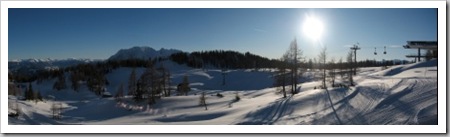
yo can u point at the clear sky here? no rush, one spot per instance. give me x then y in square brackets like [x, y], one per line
[100, 33]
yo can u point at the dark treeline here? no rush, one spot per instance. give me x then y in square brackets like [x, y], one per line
[86, 69]
[224, 59]
[215, 58]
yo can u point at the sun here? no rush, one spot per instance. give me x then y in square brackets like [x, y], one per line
[313, 28]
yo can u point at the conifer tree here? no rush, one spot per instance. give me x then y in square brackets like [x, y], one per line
[60, 83]
[75, 78]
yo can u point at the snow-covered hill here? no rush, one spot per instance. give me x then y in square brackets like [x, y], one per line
[408, 96]
[418, 68]
[142, 53]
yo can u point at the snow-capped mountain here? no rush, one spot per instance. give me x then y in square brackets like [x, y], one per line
[142, 53]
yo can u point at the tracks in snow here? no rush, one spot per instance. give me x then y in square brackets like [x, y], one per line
[268, 115]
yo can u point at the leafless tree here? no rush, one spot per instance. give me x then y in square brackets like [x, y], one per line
[341, 67]
[56, 109]
[184, 86]
[119, 93]
[349, 66]
[132, 83]
[323, 60]
[331, 67]
[203, 100]
[281, 77]
[293, 56]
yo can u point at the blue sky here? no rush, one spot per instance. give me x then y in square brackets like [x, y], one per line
[100, 33]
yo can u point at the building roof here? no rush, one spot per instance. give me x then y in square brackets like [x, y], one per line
[421, 45]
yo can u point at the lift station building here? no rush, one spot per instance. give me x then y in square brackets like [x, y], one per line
[429, 46]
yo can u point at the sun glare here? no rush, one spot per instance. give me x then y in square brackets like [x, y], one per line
[313, 28]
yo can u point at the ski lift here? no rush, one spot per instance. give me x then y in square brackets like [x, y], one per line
[384, 50]
[375, 53]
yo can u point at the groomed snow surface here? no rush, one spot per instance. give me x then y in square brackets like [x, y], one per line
[403, 94]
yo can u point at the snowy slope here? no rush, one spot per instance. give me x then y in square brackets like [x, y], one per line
[417, 69]
[142, 53]
[380, 97]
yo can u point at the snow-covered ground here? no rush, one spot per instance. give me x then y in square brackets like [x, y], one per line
[403, 94]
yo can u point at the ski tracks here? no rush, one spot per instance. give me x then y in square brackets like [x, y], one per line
[268, 115]
[277, 112]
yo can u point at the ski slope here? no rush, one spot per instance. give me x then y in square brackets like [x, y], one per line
[399, 95]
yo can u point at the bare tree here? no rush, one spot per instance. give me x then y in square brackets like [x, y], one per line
[323, 59]
[341, 67]
[165, 82]
[315, 68]
[203, 100]
[349, 66]
[184, 88]
[331, 66]
[56, 109]
[132, 83]
[119, 93]
[168, 83]
[293, 56]
[150, 84]
[281, 77]
[224, 73]
[163, 85]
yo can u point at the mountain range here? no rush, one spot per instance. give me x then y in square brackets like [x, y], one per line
[123, 54]
[142, 53]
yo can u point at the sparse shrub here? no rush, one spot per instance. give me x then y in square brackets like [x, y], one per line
[13, 114]
[16, 111]
[219, 95]
[183, 88]
[237, 98]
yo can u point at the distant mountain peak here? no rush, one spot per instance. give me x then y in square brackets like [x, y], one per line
[142, 52]
[37, 64]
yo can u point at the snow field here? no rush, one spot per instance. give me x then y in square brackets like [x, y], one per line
[403, 94]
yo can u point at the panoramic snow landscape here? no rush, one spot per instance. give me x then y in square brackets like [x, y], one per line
[224, 66]
[400, 94]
